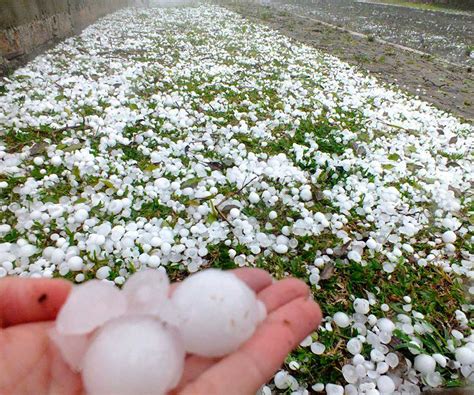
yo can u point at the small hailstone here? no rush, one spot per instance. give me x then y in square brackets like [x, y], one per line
[103, 272]
[371, 244]
[425, 363]
[385, 385]
[333, 389]
[449, 236]
[272, 215]
[234, 213]
[318, 387]
[81, 215]
[392, 360]
[75, 264]
[318, 348]
[440, 360]
[385, 325]
[434, 379]
[464, 355]
[354, 346]
[132, 355]
[293, 365]
[385, 307]
[89, 306]
[281, 249]
[361, 306]
[307, 341]
[281, 380]
[253, 197]
[306, 195]
[354, 256]
[341, 319]
[217, 311]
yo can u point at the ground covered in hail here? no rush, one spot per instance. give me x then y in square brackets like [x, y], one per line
[190, 138]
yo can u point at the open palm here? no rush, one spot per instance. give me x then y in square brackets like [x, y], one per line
[30, 363]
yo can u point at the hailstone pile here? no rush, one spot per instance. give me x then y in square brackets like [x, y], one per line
[134, 340]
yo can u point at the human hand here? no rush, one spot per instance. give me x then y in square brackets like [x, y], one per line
[32, 364]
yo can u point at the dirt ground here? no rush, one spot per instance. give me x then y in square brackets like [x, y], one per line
[448, 87]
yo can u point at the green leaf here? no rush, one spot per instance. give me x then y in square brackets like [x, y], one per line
[394, 157]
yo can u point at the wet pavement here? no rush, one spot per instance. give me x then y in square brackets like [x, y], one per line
[449, 36]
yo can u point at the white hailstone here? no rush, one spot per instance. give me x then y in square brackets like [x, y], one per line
[133, 355]
[56, 160]
[384, 307]
[377, 356]
[71, 347]
[293, 365]
[81, 215]
[75, 264]
[306, 194]
[371, 244]
[354, 346]
[333, 389]
[385, 385]
[307, 341]
[441, 360]
[217, 311]
[434, 379]
[385, 325]
[272, 215]
[392, 360]
[253, 197]
[424, 363]
[58, 256]
[162, 183]
[464, 355]
[318, 387]
[449, 236]
[146, 291]
[281, 249]
[354, 256]
[341, 319]
[318, 348]
[281, 380]
[88, 306]
[3, 272]
[349, 373]
[234, 212]
[154, 261]
[38, 160]
[361, 306]
[103, 272]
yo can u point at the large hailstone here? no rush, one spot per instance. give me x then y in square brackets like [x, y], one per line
[133, 355]
[89, 306]
[217, 312]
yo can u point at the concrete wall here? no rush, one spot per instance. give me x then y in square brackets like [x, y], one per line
[28, 27]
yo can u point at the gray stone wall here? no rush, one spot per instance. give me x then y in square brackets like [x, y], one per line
[28, 27]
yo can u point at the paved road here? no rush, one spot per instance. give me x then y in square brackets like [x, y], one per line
[446, 35]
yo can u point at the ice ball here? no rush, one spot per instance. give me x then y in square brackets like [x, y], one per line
[147, 291]
[72, 348]
[217, 312]
[89, 306]
[133, 355]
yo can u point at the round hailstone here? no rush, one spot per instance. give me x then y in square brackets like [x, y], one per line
[81, 215]
[354, 346]
[306, 195]
[89, 306]
[333, 389]
[253, 197]
[72, 348]
[133, 355]
[385, 385]
[425, 363]
[103, 272]
[385, 325]
[361, 306]
[449, 236]
[318, 348]
[146, 291]
[217, 312]
[464, 355]
[75, 264]
[341, 319]
[281, 249]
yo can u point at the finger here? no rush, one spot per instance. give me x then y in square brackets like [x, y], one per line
[283, 292]
[25, 300]
[257, 279]
[260, 357]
